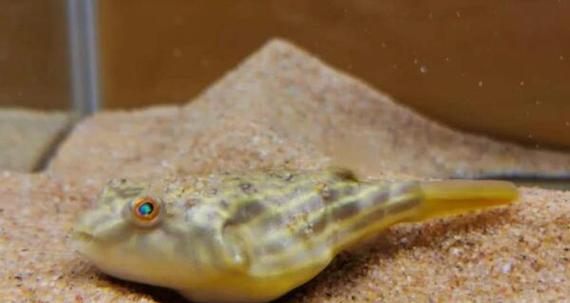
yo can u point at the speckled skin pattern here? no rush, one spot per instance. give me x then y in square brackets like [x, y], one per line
[253, 236]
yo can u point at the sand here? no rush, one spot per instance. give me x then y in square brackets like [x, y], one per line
[283, 107]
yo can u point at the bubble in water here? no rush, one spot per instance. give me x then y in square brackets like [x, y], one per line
[177, 53]
[423, 69]
[507, 267]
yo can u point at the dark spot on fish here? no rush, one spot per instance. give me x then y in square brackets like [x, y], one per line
[345, 174]
[247, 188]
[224, 203]
[246, 212]
[329, 195]
[350, 209]
[202, 233]
[318, 225]
[282, 175]
[288, 177]
[312, 228]
[382, 212]
[273, 247]
[382, 195]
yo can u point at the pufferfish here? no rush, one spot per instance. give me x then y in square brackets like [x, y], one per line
[254, 236]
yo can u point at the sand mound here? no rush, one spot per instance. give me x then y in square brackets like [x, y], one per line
[327, 117]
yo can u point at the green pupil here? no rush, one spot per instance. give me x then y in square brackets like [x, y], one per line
[146, 209]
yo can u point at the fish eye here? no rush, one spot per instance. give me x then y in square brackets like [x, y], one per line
[146, 209]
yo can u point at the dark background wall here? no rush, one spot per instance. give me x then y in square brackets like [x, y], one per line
[33, 54]
[501, 67]
[486, 66]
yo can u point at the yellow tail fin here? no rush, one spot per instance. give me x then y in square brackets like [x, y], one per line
[453, 197]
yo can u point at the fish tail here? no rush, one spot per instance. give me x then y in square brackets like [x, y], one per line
[454, 197]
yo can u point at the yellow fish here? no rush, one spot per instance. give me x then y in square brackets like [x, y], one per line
[254, 236]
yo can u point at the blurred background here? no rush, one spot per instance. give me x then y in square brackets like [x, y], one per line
[495, 68]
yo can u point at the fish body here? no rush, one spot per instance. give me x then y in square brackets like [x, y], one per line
[254, 236]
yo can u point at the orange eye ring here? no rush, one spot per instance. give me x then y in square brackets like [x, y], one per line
[146, 209]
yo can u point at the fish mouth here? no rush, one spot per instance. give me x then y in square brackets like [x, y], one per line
[81, 236]
[82, 241]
